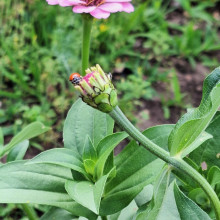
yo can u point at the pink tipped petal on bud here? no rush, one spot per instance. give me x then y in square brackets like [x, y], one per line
[96, 89]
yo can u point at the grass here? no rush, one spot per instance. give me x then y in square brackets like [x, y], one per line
[40, 46]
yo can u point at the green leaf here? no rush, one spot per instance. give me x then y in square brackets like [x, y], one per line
[104, 149]
[127, 213]
[199, 196]
[214, 176]
[82, 193]
[18, 152]
[32, 130]
[194, 122]
[163, 198]
[58, 214]
[199, 141]
[209, 152]
[86, 193]
[62, 157]
[82, 121]
[38, 183]
[136, 168]
[89, 166]
[187, 208]
[89, 150]
[1, 137]
[144, 196]
[171, 204]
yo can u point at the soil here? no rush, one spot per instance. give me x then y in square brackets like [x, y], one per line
[190, 80]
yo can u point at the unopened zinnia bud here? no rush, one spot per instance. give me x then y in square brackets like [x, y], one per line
[96, 89]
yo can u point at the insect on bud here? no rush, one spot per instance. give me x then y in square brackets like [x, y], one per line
[96, 89]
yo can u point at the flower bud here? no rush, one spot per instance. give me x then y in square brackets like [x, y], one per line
[96, 89]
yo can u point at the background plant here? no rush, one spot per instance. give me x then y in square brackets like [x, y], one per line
[33, 42]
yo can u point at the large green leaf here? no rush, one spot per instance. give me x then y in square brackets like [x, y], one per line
[62, 157]
[128, 213]
[58, 214]
[104, 149]
[209, 152]
[163, 204]
[136, 168]
[32, 130]
[38, 183]
[195, 121]
[82, 193]
[171, 204]
[187, 208]
[82, 121]
[18, 152]
[86, 193]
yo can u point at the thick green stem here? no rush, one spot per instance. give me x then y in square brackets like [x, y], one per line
[87, 27]
[31, 214]
[104, 217]
[177, 163]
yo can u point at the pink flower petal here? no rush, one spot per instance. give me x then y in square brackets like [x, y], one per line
[88, 76]
[64, 3]
[52, 2]
[83, 9]
[98, 13]
[117, 1]
[111, 7]
[127, 7]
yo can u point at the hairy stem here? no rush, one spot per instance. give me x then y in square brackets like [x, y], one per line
[30, 212]
[87, 28]
[177, 163]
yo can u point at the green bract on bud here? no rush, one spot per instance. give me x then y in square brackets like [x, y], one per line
[96, 89]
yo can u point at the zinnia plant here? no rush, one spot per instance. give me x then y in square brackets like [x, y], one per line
[156, 176]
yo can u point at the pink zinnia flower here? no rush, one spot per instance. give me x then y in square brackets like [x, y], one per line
[97, 8]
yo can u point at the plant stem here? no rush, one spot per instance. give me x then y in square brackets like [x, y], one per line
[104, 217]
[177, 163]
[31, 214]
[87, 27]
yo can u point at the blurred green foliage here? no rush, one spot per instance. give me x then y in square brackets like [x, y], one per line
[40, 45]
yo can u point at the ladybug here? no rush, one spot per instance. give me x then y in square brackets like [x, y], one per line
[75, 78]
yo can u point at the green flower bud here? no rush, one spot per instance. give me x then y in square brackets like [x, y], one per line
[96, 89]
